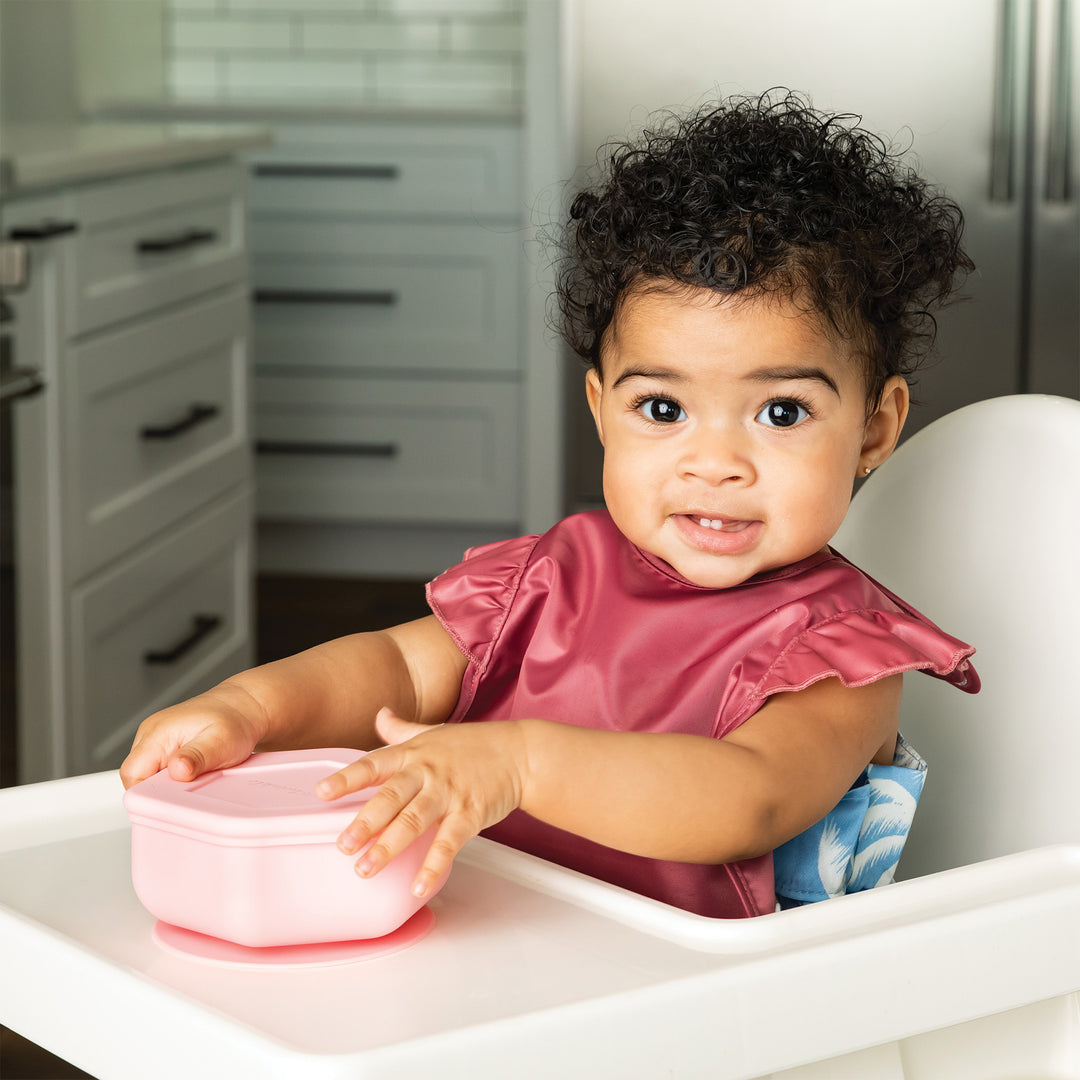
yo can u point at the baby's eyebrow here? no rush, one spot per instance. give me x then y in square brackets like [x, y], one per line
[667, 374]
[787, 373]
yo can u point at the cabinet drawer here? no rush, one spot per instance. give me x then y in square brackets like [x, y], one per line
[390, 170]
[147, 242]
[158, 627]
[387, 450]
[361, 296]
[156, 424]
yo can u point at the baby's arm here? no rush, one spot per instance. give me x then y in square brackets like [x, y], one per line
[326, 696]
[700, 800]
[665, 796]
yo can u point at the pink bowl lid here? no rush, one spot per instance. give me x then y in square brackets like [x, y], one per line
[267, 798]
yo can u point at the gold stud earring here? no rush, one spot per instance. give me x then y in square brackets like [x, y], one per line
[868, 470]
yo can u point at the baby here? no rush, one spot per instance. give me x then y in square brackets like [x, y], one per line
[664, 693]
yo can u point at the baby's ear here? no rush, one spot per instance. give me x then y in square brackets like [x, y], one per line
[884, 427]
[594, 392]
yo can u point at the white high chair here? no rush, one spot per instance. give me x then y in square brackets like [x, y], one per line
[976, 522]
[968, 970]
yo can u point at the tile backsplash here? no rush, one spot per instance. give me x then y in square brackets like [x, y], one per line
[369, 52]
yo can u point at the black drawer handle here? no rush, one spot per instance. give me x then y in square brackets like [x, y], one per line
[380, 450]
[43, 230]
[197, 414]
[373, 297]
[155, 245]
[329, 172]
[18, 383]
[203, 625]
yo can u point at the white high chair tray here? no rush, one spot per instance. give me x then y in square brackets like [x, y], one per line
[535, 971]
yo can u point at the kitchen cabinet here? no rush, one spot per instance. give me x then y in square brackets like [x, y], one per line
[390, 393]
[134, 502]
[409, 392]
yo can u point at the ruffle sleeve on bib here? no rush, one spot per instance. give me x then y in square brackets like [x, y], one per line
[859, 647]
[473, 598]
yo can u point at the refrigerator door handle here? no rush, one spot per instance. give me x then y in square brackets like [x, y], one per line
[1003, 139]
[1059, 121]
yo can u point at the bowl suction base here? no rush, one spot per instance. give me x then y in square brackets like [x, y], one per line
[212, 950]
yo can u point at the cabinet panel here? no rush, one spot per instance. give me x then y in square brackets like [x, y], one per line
[368, 296]
[156, 424]
[147, 631]
[387, 170]
[387, 273]
[146, 243]
[387, 450]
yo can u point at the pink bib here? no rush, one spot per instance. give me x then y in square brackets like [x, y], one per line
[581, 627]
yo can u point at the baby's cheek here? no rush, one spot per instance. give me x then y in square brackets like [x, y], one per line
[823, 517]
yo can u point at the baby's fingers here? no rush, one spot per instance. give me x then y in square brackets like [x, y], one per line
[379, 812]
[396, 824]
[144, 760]
[367, 771]
[453, 835]
[210, 749]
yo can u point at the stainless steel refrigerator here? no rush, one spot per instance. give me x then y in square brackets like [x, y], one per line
[994, 111]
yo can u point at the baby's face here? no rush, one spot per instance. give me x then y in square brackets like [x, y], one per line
[739, 414]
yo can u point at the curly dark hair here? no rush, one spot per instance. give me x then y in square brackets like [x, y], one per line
[760, 195]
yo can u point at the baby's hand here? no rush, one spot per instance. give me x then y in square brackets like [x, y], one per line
[212, 731]
[460, 778]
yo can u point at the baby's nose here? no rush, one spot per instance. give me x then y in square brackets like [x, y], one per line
[718, 457]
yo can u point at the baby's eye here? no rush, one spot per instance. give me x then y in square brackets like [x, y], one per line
[661, 410]
[782, 413]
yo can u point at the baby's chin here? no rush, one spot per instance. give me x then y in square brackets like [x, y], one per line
[712, 572]
[728, 571]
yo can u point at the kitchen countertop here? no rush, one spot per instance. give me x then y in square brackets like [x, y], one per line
[35, 156]
[281, 112]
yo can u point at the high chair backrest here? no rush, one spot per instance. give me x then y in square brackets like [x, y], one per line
[976, 522]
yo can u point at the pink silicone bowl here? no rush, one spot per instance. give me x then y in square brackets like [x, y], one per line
[249, 854]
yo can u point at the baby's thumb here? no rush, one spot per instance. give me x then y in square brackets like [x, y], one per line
[392, 729]
[204, 754]
[141, 763]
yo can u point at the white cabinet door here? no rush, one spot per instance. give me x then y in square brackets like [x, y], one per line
[156, 425]
[388, 450]
[168, 622]
[151, 241]
[352, 296]
[389, 170]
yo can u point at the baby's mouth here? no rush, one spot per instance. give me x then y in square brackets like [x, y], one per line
[718, 535]
[720, 524]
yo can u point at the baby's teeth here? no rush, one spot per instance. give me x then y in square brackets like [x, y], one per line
[709, 523]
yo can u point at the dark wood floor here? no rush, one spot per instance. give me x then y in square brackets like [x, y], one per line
[22, 1060]
[292, 614]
